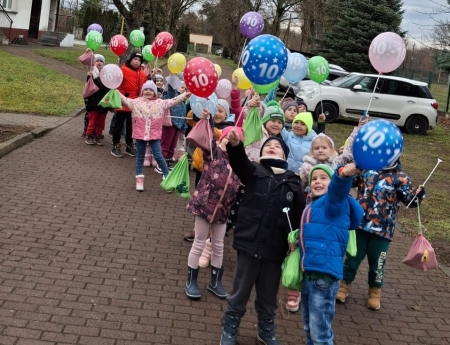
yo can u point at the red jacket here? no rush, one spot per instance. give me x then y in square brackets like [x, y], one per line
[132, 83]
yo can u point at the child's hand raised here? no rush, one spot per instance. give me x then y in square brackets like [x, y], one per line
[349, 170]
[363, 120]
[204, 114]
[233, 138]
[235, 82]
[322, 117]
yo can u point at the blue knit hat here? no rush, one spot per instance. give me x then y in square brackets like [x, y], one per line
[282, 143]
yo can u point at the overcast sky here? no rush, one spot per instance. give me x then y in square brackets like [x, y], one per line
[416, 22]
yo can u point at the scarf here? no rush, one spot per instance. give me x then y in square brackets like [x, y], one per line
[278, 165]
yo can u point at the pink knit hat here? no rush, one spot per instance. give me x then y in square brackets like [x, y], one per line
[227, 130]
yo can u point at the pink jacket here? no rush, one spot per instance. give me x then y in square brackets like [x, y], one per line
[147, 115]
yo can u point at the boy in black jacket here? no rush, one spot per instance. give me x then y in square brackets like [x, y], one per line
[260, 235]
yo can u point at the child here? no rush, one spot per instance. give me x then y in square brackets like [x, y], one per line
[290, 109]
[170, 134]
[97, 114]
[210, 204]
[272, 124]
[299, 139]
[260, 235]
[380, 194]
[319, 127]
[323, 241]
[147, 114]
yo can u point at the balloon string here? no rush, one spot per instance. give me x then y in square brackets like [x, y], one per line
[240, 56]
[373, 92]
[240, 114]
[156, 63]
[285, 93]
[320, 96]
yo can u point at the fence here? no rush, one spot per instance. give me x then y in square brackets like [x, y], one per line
[438, 82]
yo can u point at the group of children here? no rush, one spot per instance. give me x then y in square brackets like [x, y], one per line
[293, 175]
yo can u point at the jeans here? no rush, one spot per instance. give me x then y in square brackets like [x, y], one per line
[318, 308]
[376, 248]
[155, 145]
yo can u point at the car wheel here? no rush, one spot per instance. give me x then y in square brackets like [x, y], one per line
[416, 124]
[329, 109]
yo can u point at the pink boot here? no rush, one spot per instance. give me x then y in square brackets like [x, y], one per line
[147, 157]
[293, 302]
[154, 164]
[140, 183]
[206, 255]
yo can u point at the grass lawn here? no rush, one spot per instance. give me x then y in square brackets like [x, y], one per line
[440, 93]
[419, 158]
[70, 55]
[28, 87]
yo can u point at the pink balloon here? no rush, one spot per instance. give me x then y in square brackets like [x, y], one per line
[387, 52]
[111, 76]
[223, 89]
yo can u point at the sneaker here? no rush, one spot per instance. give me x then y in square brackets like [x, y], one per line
[158, 170]
[170, 164]
[110, 134]
[89, 141]
[293, 302]
[130, 150]
[116, 151]
[98, 141]
[189, 236]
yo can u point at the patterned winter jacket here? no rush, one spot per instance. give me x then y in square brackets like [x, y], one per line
[147, 115]
[217, 188]
[178, 112]
[380, 194]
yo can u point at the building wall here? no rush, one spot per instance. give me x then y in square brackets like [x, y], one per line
[201, 39]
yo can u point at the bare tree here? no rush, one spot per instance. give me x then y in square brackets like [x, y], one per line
[279, 11]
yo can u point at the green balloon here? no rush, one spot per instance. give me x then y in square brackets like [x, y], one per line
[94, 40]
[266, 88]
[137, 38]
[318, 69]
[147, 53]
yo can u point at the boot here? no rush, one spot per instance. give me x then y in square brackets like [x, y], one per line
[230, 328]
[147, 161]
[215, 284]
[154, 164]
[140, 183]
[293, 302]
[189, 236]
[206, 255]
[374, 300]
[191, 288]
[266, 332]
[343, 292]
[116, 151]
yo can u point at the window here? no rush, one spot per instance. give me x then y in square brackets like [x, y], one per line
[7, 4]
[398, 87]
[368, 83]
[422, 92]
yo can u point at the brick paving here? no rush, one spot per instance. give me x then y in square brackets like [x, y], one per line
[85, 259]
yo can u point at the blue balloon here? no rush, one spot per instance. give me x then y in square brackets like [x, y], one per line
[264, 59]
[200, 103]
[377, 145]
[297, 68]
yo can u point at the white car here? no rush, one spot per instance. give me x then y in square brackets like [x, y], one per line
[405, 102]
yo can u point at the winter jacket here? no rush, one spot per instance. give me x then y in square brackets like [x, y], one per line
[178, 112]
[131, 86]
[216, 190]
[147, 115]
[298, 147]
[262, 227]
[324, 228]
[235, 107]
[93, 100]
[380, 194]
[197, 156]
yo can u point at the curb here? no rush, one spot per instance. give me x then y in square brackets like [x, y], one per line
[23, 139]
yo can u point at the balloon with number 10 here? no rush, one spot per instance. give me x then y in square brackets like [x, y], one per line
[200, 77]
[377, 145]
[318, 69]
[264, 59]
[200, 103]
[387, 52]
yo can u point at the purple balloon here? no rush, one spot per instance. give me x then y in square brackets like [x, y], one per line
[95, 27]
[251, 24]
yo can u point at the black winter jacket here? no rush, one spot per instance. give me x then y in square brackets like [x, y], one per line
[93, 100]
[262, 227]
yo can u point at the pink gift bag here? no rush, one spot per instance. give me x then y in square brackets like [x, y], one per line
[167, 120]
[89, 88]
[87, 58]
[201, 135]
[421, 255]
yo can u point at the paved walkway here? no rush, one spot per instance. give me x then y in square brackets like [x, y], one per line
[85, 259]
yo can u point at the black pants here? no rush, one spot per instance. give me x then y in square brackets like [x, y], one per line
[121, 118]
[265, 276]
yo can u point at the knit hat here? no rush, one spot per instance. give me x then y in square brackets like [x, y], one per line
[159, 76]
[289, 102]
[323, 167]
[149, 84]
[273, 112]
[99, 57]
[322, 136]
[282, 143]
[225, 105]
[136, 54]
[301, 102]
[306, 118]
[228, 129]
